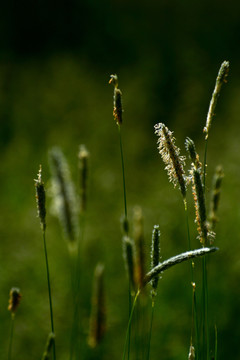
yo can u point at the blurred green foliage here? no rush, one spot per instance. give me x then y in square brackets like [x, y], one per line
[55, 62]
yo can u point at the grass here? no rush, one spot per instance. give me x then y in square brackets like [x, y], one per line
[156, 271]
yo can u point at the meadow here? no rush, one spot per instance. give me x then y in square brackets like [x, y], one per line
[53, 111]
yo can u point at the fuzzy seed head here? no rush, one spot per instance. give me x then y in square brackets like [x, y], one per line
[64, 196]
[171, 157]
[14, 300]
[190, 147]
[117, 106]
[40, 199]
[117, 100]
[205, 234]
[98, 313]
[155, 256]
[129, 259]
[221, 79]
[139, 241]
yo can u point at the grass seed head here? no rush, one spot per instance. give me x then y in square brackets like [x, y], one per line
[204, 232]
[190, 147]
[129, 258]
[14, 300]
[117, 100]
[221, 79]
[171, 157]
[98, 313]
[64, 196]
[155, 256]
[40, 198]
[139, 241]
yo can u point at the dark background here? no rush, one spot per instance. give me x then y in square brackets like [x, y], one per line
[55, 63]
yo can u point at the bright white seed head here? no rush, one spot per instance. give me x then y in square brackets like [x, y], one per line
[171, 157]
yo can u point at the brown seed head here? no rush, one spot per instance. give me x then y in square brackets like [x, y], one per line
[139, 241]
[40, 198]
[14, 300]
[98, 314]
[204, 232]
[117, 100]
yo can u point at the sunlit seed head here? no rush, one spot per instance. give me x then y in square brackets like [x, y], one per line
[171, 157]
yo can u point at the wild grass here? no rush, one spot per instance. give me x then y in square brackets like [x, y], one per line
[71, 206]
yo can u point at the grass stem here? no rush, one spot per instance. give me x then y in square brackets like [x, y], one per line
[129, 324]
[216, 342]
[123, 173]
[11, 337]
[150, 331]
[205, 322]
[49, 291]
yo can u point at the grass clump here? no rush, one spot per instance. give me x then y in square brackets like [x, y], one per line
[71, 211]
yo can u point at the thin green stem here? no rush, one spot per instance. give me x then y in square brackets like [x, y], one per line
[129, 324]
[203, 309]
[123, 173]
[76, 280]
[216, 342]
[194, 302]
[205, 320]
[49, 291]
[206, 307]
[11, 337]
[150, 331]
[196, 326]
[129, 309]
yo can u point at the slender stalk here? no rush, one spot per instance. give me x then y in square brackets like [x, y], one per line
[205, 164]
[196, 326]
[216, 342]
[205, 321]
[206, 338]
[123, 173]
[129, 309]
[194, 302]
[49, 291]
[221, 79]
[129, 325]
[76, 281]
[11, 337]
[150, 331]
[125, 222]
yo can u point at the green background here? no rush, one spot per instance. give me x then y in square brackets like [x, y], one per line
[55, 63]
